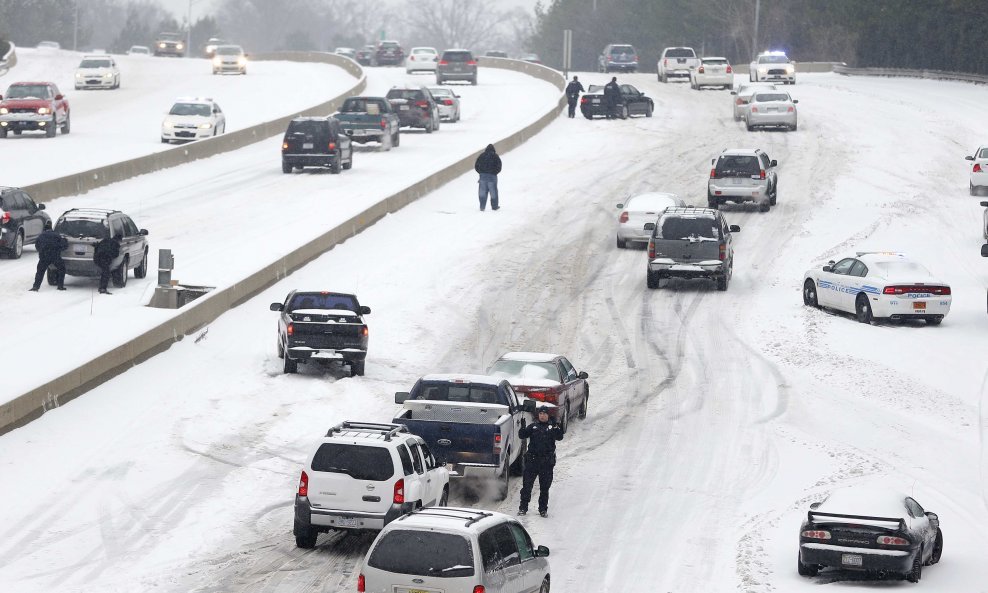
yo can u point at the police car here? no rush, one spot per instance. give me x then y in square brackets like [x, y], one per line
[878, 285]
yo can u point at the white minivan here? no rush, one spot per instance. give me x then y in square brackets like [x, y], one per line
[363, 476]
[455, 549]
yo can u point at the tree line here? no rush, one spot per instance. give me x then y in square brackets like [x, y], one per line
[917, 34]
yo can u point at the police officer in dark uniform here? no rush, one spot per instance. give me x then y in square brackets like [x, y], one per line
[50, 246]
[539, 459]
[612, 97]
[107, 250]
[573, 90]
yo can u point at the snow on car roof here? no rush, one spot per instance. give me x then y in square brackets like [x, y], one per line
[464, 378]
[870, 501]
[453, 519]
[529, 356]
[652, 201]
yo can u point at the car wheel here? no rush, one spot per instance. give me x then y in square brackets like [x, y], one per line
[806, 570]
[736, 116]
[621, 243]
[387, 143]
[773, 197]
[291, 366]
[564, 420]
[164, 140]
[285, 167]
[970, 186]
[588, 116]
[3, 134]
[518, 467]
[862, 309]
[141, 271]
[504, 482]
[337, 165]
[648, 110]
[52, 128]
[357, 368]
[582, 414]
[809, 294]
[281, 350]
[624, 112]
[473, 81]
[764, 207]
[347, 165]
[397, 140]
[17, 250]
[652, 279]
[444, 499]
[306, 538]
[722, 282]
[934, 320]
[67, 126]
[914, 575]
[712, 202]
[937, 548]
[545, 586]
[793, 127]
[119, 275]
[428, 127]
[439, 80]
[749, 126]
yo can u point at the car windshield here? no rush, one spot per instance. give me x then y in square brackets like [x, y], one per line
[524, 370]
[678, 227]
[83, 228]
[190, 109]
[363, 105]
[622, 49]
[595, 88]
[773, 60]
[95, 64]
[389, 44]
[424, 50]
[318, 300]
[423, 553]
[735, 163]
[457, 56]
[169, 37]
[28, 91]
[455, 392]
[410, 94]
[229, 50]
[770, 97]
[680, 52]
[357, 461]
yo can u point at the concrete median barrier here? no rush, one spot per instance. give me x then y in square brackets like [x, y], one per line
[33, 404]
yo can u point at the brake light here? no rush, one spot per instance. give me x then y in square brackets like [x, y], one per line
[539, 395]
[722, 254]
[977, 168]
[303, 485]
[699, 70]
[816, 534]
[713, 173]
[890, 540]
[399, 497]
[729, 70]
[479, 589]
[624, 217]
[361, 584]
[443, 63]
[791, 109]
[291, 329]
[422, 104]
[384, 123]
[584, 100]
[665, 62]
[447, 101]
[937, 290]
[5, 218]
[651, 249]
[761, 174]
[365, 332]
[739, 101]
[284, 146]
[497, 444]
[472, 63]
[754, 109]
[332, 146]
[552, 397]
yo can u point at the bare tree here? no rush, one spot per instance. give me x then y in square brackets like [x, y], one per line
[454, 23]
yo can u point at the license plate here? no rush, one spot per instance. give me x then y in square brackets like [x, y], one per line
[596, 101]
[80, 253]
[359, 132]
[307, 145]
[347, 521]
[417, 591]
[736, 181]
[919, 305]
[850, 559]
[403, 107]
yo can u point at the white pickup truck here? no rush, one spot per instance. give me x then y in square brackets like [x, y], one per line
[676, 62]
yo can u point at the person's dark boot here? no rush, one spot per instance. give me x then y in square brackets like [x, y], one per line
[61, 288]
[34, 289]
[544, 513]
[104, 291]
[522, 511]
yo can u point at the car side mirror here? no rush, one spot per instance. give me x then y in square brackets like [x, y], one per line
[41, 206]
[734, 92]
[794, 101]
[932, 517]
[364, 310]
[541, 552]
[59, 97]
[144, 232]
[529, 406]
[734, 228]
[775, 163]
[620, 206]
[967, 158]
[276, 306]
[984, 251]
[649, 226]
[401, 397]
[583, 375]
[828, 268]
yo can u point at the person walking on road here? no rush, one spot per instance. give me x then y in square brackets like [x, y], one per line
[488, 165]
[104, 253]
[612, 97]
[573, 90]
[50, 246]
[540, 459]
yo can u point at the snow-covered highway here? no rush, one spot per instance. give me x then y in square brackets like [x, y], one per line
[715, 418]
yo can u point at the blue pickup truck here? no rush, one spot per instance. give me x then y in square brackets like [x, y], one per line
[471, 424]
[370, 119]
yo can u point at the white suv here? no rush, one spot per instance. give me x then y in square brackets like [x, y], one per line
[454, 549]
[363, 476]
[97, 72]
[191, 119]
[743, 175]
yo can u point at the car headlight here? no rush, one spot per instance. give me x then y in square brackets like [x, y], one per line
[80, 75]
[167, 125]
[4, 111]
[179, 46]
[205, 126]
[161, 45]
[217, 61]
[789, 68]
[242, 61]
[43, 110]
[108, 75]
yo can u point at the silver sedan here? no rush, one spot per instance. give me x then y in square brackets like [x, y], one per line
[448, 102]
[775, 109]
[639, 210]
[742, 96]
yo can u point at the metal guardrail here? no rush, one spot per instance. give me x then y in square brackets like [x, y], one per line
[8, 60]
[906, 73]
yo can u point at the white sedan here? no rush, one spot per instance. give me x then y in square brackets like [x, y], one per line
[97, 72]
[742, 97]
[639, 210]
[878, 285]
[191, 119]
[448, 102]
[979, 170]
[421, 59]
[773, 109]
[712, 72]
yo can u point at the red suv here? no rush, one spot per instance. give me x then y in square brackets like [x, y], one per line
[37, 106]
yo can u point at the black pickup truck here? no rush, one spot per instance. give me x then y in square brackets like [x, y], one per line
[322, 327]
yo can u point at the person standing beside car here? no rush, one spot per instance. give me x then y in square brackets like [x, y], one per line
[540, 459]
[50, 246]
[107, 250]
[573, 90]
[612, 97]
[489, 166]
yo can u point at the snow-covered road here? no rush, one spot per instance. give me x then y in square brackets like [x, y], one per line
[715, 418]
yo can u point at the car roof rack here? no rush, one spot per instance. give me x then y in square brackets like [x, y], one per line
[687, 210]
[385, 430]
[102, 212]
[452, 513]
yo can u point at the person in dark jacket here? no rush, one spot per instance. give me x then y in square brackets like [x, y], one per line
[539, 459]
[612, 97]
[573, 90]
[105, 252]
[488, 165]
[50, 246]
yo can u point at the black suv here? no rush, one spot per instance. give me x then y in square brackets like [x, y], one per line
[316, 142]
[21, 221]
[389, 53]
[457, 64]
[322, 327]
[690, 243]
[416, 107]
[85, 227]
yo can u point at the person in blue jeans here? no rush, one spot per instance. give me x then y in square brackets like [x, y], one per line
[488, 165]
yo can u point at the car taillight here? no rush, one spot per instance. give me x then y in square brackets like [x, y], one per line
[539, 395]
[364, 331]
[584, 100]
[399, 497]
[291, 329]
[332, 146]
[754, 109]
[891, 540]
[722, 254]
[937, 290]
[977, 168]
[497, 444]
[361, 584]
[761, 174]
[303, 485]
[791, 109]
[5, 218]
[552, 397]
[447, 101]
[699, 70]
[284, 146]
[443, 63]
[713, 173]
[472, 63]
[384, 123]
[479, 589]
[651, 249]
[738, 101]
[816, 534]
[729, 70]
[665, 62]
[422, 104]
[624, 217]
